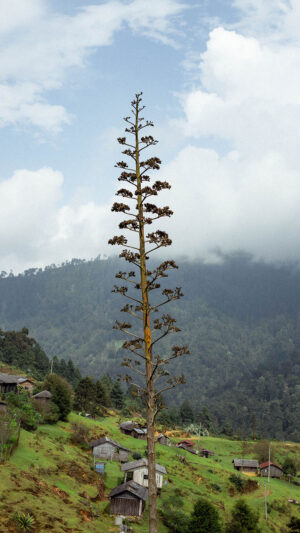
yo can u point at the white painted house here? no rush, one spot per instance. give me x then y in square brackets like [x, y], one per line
[138, 471]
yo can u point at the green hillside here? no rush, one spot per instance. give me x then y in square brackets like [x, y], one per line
[47, 476]
[240, 319]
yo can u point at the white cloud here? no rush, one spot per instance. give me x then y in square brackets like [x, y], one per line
[229, 203]
[35, 230]
[245, 105]
[39, 47]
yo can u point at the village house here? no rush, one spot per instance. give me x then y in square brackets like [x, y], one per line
[187, 445]
[128, 499]
[43, 397]
[105, 448]
[206, 453]
[134, 430]
[8, 383]
[127, 427]
[138, 471]
[26, 383]
[275, 470]
[163, 439]
[139, 433]
[246, 465]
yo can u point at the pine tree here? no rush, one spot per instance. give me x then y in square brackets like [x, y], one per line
[205, 518]
[186, 413]
[140, 306]
[85, 395]
[243, 519]
[61, 392]
[117, 395]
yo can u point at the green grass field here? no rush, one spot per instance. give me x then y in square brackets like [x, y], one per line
[47, 476]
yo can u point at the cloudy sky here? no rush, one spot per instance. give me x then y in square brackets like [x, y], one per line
[221, 81]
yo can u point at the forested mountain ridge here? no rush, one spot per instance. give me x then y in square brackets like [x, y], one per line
[240, 318]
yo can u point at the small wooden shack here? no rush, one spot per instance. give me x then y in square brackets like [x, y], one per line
[139, 433]
[187, 445]
[128, 499]
[206, 453]
[135, 430]
[138, 471]
[105, 448]
[163, 439]
[275, 470]
[43, 397]
[127, 427]
[26, 383]
[246, 465]
[8, 383]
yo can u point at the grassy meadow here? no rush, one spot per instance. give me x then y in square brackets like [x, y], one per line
[52, 479]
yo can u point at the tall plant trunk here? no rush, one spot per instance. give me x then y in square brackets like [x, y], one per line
[153, 526]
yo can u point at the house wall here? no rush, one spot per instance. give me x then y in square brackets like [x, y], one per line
[110, 452]
[253, 470]
[274, 472]
[140, 475]
[8, 387]
[165, 441]
[125, 506]
[27, 385]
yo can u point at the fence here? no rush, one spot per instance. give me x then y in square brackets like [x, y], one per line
[6, 450]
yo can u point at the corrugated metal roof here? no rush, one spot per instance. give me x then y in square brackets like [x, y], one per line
[267, 463]
[133, 465]
[140, 431]
[103, 440]
[134, 488]
[251, 463]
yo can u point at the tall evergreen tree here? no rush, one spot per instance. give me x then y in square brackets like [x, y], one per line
[117, 395]
[61, 392]
[186, 412]
[85, 395]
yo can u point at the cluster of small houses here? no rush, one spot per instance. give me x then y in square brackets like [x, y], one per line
[129, 498]
[10, 383]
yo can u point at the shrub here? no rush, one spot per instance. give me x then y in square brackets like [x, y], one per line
[280, 506]
[289, 467]
[294, 525]
[237, 481]
[136, 456]
[49, 412]
[61, 392]
[261, 449]
[216, 487]
[79, 433]
[24, 522]
[204, 518]
[175, 520]
[243, 519]
[21, 406]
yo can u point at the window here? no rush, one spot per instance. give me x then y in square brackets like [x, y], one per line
[145, 476]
